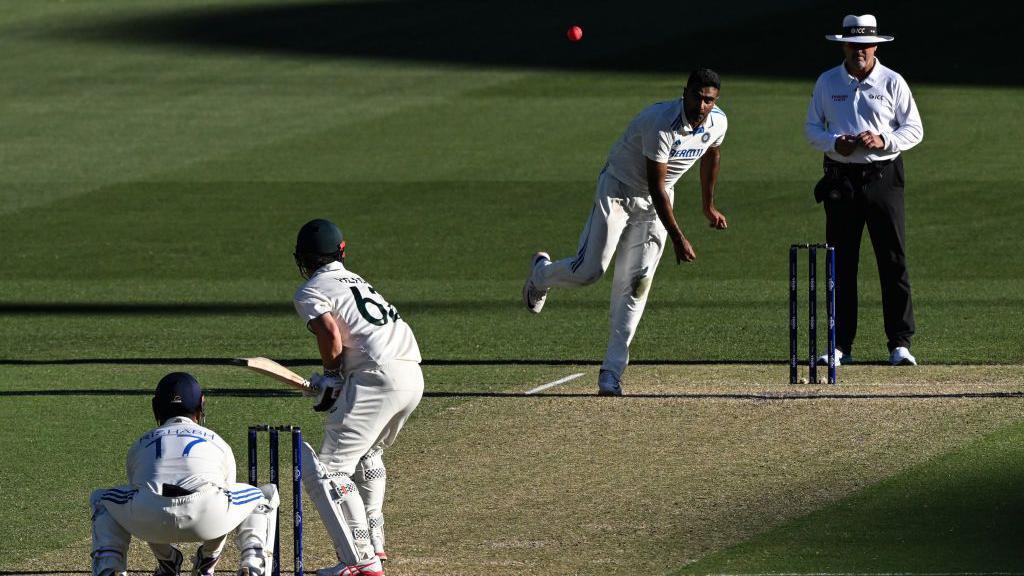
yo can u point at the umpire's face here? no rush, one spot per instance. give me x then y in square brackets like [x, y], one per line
[859, 57]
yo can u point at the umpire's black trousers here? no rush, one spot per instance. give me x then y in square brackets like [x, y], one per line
[873, 195]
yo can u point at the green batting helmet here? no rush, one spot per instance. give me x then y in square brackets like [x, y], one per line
[319, 242]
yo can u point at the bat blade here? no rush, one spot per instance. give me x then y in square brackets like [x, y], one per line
[268, 367]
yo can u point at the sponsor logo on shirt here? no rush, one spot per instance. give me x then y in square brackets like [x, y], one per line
[686, 153]
[879, 97]
[840, 97]
[705, 138]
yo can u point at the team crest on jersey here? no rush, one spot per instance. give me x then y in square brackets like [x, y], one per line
[705, 138]
[677, 143]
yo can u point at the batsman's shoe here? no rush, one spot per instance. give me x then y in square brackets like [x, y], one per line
[170, 567]
[901, 356]
[534, 297]
[608, 384]
[371, 567]
[841, 359]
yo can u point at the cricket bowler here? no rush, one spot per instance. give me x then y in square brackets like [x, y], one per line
[632, 212]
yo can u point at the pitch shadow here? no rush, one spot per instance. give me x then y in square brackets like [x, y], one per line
[937, 42]
[278, 393]
[216, 361]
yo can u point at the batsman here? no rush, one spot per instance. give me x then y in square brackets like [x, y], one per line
[370, 385]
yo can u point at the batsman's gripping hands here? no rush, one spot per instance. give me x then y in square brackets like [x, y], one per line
[325, 389]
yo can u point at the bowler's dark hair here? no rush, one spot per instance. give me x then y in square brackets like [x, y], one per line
[703, 77]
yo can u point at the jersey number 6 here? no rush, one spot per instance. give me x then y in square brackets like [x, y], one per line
[385, 310]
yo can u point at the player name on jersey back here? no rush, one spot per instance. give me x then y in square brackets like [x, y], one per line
[373, 332]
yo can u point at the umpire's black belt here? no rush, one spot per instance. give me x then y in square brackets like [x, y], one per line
[863, 171]
[841, 181]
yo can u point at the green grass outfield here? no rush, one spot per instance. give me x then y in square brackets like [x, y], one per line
[156, 162]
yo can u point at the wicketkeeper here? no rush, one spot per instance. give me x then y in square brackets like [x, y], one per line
[181, 488]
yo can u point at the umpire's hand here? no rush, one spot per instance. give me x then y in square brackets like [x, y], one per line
[846, 144]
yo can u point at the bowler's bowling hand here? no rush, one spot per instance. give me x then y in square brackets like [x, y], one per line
[846, 144]
[870, 140]
[715, 218]
[684, 252]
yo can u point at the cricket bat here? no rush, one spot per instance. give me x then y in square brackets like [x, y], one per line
[268, 367]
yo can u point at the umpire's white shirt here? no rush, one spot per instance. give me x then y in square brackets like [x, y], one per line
[881, 103]
[182, 453]
[660, 133]
[372, 332]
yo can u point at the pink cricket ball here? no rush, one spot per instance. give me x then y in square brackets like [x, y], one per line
[574, 34]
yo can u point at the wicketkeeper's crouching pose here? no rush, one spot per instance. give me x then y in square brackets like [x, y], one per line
[370, 386]
[181, 488]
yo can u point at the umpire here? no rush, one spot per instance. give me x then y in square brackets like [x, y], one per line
[863, 116]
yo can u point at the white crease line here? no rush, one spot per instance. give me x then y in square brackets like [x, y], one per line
[555, 383]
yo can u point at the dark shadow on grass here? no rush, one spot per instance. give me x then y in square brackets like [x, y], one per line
[212, 361]
[282, 393]
[408, 309]
[242, 309]
[213, 392]
[143, 308]
[961, 44]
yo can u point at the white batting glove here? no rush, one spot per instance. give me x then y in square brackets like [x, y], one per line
[325, 389]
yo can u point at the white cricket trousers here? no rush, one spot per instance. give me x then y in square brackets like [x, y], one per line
[623, 223]
[347, 480]
[369, 413]
[206, 516]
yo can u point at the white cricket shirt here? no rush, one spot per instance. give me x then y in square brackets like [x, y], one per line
[183, 453]
[881, 103]
[661, 133]
[372, 332]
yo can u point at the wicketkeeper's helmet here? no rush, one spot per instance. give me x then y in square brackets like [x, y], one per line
[178, 394]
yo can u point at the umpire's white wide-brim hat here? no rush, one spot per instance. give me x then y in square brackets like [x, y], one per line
[859, 30]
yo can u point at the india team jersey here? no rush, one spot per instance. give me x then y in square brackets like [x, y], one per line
[660, 133]
[182, 453]
[372, 331]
